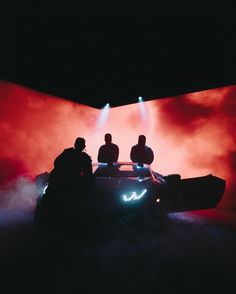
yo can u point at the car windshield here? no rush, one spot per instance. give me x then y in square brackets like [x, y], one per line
[121, 170]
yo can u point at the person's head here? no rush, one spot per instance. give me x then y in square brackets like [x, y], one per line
[108, 138]
[80, 144]
[141, 140]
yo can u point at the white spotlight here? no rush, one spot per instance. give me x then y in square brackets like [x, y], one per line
[103, 116]
[142, 108]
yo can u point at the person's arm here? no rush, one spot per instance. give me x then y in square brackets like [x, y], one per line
[133, 155]
[100, 154]
[90, 168]
[116, 153]
[59, 161]
[88, 172]
[150, 156]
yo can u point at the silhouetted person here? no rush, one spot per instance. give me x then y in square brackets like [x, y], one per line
[141, 153]
[66, 201]
[109, 152]
[72, 170]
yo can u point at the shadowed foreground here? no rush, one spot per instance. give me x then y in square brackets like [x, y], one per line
[186, 252]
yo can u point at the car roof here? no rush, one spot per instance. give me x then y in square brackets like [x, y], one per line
[121, 163]
[122, 169]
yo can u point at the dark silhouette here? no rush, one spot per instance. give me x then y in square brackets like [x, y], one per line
[66, 197]
[109, 152]
[72, 169]
[141, 153]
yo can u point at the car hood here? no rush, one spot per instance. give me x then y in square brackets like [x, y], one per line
[116, 184]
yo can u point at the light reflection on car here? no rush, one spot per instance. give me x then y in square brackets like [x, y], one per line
[127, 185]
[128, 180]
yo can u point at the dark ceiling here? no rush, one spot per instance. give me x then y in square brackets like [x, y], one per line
[94, 61]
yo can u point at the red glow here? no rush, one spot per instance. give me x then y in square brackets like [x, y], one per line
[191, 134]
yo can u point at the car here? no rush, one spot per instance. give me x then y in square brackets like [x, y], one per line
[126, 187]
[130, 186]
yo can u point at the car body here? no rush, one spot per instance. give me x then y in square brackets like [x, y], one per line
[128, 187]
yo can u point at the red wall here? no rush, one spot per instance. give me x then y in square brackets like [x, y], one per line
[191, 134]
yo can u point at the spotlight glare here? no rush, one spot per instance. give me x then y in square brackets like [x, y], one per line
[142, 108]
[103, 116]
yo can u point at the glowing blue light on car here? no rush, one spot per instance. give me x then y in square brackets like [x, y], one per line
[44, 189]
[133, 196]
[139, 166]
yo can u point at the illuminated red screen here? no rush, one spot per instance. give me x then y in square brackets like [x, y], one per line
[192, 134]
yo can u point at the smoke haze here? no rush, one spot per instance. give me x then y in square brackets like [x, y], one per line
[192, 134]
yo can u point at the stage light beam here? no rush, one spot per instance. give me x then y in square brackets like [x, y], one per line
[103, 116]
[142, 108]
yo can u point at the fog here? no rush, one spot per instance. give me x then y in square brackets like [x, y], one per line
[191, 135]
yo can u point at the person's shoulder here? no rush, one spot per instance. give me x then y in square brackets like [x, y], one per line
[148, 148]
[69, 150]
[85, 155]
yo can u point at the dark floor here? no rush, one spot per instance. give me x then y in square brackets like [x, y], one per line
[190, 252]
